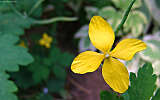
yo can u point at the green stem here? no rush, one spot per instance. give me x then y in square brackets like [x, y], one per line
[35, 6]
[56, 19]
[125, 16]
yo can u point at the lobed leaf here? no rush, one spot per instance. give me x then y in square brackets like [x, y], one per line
[14, 55]
[7, 87]
[12, 23]
[11, 57]
[142, 85]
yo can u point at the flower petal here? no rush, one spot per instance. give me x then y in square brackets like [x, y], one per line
[101, 34]
[127, 48]
[47, 45]
[45, 36]
[41, 42]
[115, 74]
[87, 61]
[49, 39]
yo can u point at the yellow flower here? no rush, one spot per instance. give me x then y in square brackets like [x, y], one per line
[114, 72]
[46, 40]
[22, 44]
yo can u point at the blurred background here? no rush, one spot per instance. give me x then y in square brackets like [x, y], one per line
[40, 38]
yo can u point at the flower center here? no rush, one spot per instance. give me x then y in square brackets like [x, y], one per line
[107, 55]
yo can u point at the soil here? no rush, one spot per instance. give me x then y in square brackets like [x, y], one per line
[87, 86]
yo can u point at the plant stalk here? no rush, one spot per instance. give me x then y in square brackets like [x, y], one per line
[55, 19]
[125, 16]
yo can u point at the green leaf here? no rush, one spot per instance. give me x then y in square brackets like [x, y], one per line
[39, 69]
[142, 85]
[157, 3]
[45, 97]
[7, 87]
[23, 78]
[40, 74]
[152, 52]
[11, 55]
[59, 72]
[112, 16]
[99, 3]
[105, 95]
[157, 95]
[12, 23]
[66, 59]
[135, 23]
[91, 11]
[25, 6]
[4, 7]
[123, 4]
[55, 85]
[62, 58]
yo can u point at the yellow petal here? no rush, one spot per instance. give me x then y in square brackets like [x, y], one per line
[101, 34]
[127, 48]
[49, 39]
[87, 61]
[115, 74]
[41, 42]
[47, 45]
[45, 36]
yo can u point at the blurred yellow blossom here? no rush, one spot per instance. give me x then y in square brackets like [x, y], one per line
[22, 44]
[45, 40]
[114, 72]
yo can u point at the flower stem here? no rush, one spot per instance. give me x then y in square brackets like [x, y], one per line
[55, 19]
[125, 16]
[35, 6]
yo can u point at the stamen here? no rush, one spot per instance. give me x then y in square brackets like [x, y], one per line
[107, 55]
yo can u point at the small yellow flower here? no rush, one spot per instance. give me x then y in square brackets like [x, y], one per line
[22, 44]
[45, 41]
[114, 72]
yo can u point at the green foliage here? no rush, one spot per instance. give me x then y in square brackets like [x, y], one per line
[157, 95]
[111, 15]
[12, 23]
[152, 51]
[100, 3]
[26, 6]
[105, 95]
[123, 4]
[23, 78]
[151, 54]
[60, 58]
[157, 3]
[135, 22]
[55, 85]
[14, 55]
[142, 86]
[39, 69]
[18, 22]
[7, 87]
[60, 72]
[42, 96]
